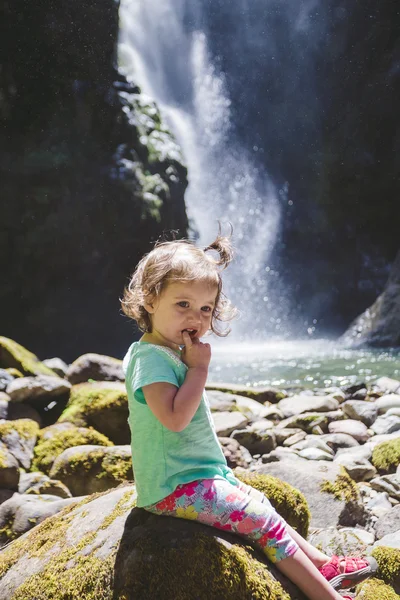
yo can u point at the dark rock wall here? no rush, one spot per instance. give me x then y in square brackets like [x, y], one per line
[88, 177]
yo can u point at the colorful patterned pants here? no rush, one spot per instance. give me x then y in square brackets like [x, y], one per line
[242, 510]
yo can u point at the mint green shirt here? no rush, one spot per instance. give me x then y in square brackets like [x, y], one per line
[162, 459]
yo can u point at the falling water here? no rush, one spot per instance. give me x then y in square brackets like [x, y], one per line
[171, 64]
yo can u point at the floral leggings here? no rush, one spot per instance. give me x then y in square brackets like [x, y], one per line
[242, 510]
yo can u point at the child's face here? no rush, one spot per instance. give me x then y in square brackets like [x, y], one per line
[180, 307]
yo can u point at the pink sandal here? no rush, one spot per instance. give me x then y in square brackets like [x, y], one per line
[347, 571]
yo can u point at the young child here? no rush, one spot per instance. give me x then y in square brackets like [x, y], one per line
[175, 296]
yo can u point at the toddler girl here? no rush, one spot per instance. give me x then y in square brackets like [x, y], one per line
[175, 296]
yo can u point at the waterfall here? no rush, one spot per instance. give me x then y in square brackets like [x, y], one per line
[170, 61]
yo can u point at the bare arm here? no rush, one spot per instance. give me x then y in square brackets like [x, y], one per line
[175, 407]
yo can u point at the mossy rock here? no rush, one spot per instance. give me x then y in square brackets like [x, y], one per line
[88, 468]
[20, 438]
[375, 589]
[46, 451]
[101, 405]
[103, 548]
[13, 355]
[386, 456]
[388, 560]
[287, 500]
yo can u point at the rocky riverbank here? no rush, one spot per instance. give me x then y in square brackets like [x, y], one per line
[329, 461]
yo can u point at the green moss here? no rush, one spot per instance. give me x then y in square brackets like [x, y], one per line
[15, 373]
[7, 534]
[89, 398]
[46, 451]
[14, 355]
[388, 560]
[26, 428]
[344, 488]
[386, 456]
[67, 574]
[375, 589]
[287, 500]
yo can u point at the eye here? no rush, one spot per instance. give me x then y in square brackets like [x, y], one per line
[183, 303]
[206, 308]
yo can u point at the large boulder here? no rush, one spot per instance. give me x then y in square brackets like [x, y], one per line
[331, 494]
[103, 548]
[15, 355]
[101, 405]
[47, 450]
[95, 366]
[88, 469]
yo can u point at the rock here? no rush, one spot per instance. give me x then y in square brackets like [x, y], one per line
[22, 512]
[332, 496]
[295, 439]
[235, 454]
[375, 589]
[16, 356]
[391, 540]
[387, 384]
[261, 394]
[5, 495]
[5, 379]
[386, 456]
[359, 469]
[366, 412]
[360, 394]
[356, 452]
[95, 366]
[222, 401]
[387, 483]
[48, 432]
[57, 365]
[386, 402]
[356, 429]
[379, 505]
[47, 450]
[256, 443]
[388, 523]
[305, 421]
[226, 422]
[280, 453]
[20, 410]
[20, 439]
[88, 469]
[9, 469]
[313, 441]
[283, 434]
[339, 440]
[315, 454]
[386, 424]
[38, 483]
[103, 544]
[379, 325]
[261, 426]
[103, 406]
[296, 405]
[42, 387]
[348, 541]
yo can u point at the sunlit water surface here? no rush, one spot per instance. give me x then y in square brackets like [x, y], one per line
[309, 363]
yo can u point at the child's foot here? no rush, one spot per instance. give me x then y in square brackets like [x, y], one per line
[346, 571]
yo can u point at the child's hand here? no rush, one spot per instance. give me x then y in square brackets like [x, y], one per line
[195, 353]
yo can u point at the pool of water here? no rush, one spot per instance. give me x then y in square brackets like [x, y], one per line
[309, 363]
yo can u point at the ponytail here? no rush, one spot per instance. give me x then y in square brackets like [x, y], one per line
[223, 245]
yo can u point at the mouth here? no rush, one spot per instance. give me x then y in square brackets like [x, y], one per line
[191, 332]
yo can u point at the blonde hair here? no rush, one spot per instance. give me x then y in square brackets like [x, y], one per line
[179, 262]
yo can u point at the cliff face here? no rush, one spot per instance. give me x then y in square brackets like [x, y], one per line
[88, 176]
[379, 325]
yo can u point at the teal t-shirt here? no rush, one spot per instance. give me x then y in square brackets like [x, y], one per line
[162, 459]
